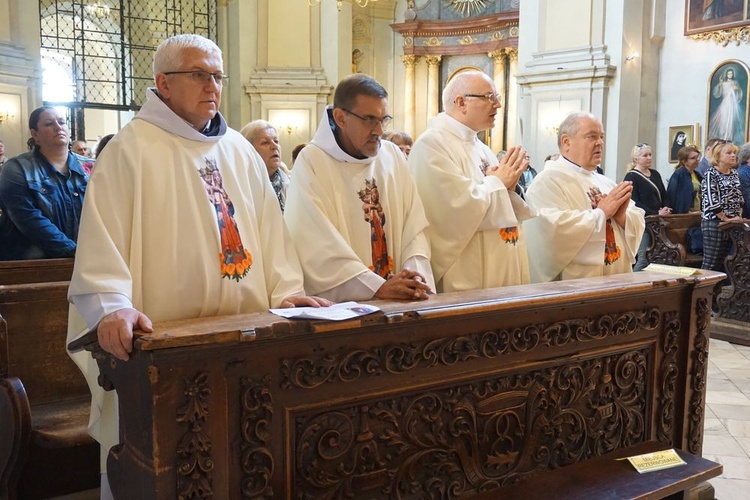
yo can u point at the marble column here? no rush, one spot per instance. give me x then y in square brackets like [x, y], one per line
[512, 104]
[410, 107]
[433, 85]
[498, 75]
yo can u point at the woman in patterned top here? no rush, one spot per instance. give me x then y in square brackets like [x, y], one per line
[721, 200]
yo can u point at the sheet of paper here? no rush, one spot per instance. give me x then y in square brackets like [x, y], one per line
[678, 270]
[337, 312]
[656, 461]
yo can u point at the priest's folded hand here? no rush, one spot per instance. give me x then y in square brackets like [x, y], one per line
[406, 285]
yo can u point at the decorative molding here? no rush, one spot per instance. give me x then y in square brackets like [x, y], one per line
[468, 8]
[433, 42]
[307, 373]
[512, 53]
[497, 56]
[669, 372]
[256, 458]
[725, 37]
[194, 462]
[466, 40]
[433, 61]
[410, 60]
[697, 377]
[473, 437]
[733, 302]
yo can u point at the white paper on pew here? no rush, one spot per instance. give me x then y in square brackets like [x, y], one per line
[336, 312]
[678, 270]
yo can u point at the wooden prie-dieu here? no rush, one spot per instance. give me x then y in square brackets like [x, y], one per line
[462, 393]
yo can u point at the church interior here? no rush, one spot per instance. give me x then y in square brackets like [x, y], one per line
[646, 68]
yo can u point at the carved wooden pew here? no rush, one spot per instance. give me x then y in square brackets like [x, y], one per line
[460, 394]
[669, 239]
[45, 449]
[16, 272]
[733, 301]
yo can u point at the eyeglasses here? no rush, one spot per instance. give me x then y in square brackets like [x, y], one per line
[203, 77]
[642, 145]
[371, 121]
[491, 97]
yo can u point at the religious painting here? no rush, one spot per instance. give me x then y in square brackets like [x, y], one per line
[727, 116]
[679, 137]
[711, 15]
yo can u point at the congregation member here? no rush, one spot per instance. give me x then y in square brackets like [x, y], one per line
[743, 171]
[705, 162]
[80, 148]
[3, 159]
[102, 144]
[721, 195]
[41, 193]
[472, 202]
[180, 222]
[296, 152]
[400, 139]
[683, 189]
[587, 225]
[265, 139]
[353, 210]
[648, 194]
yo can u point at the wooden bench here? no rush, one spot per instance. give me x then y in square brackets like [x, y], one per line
[732, 321]
[609, 477]
[16, 272]
[45, 449]
[669, 239]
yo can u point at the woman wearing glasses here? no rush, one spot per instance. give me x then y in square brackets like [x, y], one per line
[721, 200]
[683, 191]
[648, 193]
[41, 193]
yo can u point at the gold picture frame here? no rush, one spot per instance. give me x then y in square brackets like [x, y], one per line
[704, 16]
[679, 137]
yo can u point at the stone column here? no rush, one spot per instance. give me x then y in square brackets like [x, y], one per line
[410, 108]
[498, 75]
[512, 104]
[433, 85]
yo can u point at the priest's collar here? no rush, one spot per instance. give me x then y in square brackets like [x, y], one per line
[158, 113]
[580, 168]
[463, 132]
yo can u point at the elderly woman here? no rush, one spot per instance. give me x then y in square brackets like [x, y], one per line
[265, 139]
[722, 200]
[683, 191]
[41, 193]
[648, 193]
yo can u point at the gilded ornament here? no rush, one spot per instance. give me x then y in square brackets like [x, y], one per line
[433, 42]
[724, 37]
[467, 40]
[468, 8]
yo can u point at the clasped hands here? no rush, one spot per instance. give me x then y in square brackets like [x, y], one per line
[615, 203]
[511, 167]
[406, 285]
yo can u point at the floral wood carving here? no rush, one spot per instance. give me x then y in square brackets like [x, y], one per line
[257, 460]
[725, 37]
[194, 462]
[697, 377]
[662, 250]
[735, 302]
[350, 366]
[448, 442]
[668, 374]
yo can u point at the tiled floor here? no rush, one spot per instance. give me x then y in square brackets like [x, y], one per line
[727, 431]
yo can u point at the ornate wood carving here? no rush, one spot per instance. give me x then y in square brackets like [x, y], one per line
[194, 462]
[307, 373]
[256, 458]
[662, 250]
[473, 437]
[734, 302]
[668, 376]
[697, 377]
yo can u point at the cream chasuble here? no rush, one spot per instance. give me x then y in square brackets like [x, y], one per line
[348, 216]
[182, 225]
[569, 238]
[475, 222]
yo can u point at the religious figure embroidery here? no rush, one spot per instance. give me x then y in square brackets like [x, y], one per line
[484, 166]
[611, 250]
[234, 259]
[382, 264]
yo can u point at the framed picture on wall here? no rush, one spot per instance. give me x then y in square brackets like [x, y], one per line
[727, 113]
[679, 137]
[712, 15]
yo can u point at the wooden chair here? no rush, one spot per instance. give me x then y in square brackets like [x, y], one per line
[669, 243]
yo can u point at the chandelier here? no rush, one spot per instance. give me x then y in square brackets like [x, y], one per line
[361, 3]
[98, 9]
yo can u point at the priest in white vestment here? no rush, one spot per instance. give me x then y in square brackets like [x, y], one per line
[474, 205]
[180, 222]
[353, 210]
[587, 225]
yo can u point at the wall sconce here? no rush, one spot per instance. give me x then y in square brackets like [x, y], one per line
[633, 55]
[287, 121]
[97, 10]
[6, 116]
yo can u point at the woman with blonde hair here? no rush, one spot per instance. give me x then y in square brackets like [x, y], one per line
[648, 193]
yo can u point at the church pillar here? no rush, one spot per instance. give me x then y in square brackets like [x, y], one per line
[498, 75]
[433, 85]
[410, 109]
[512, 110]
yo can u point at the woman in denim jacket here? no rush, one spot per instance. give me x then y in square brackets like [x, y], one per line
[41, 193]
